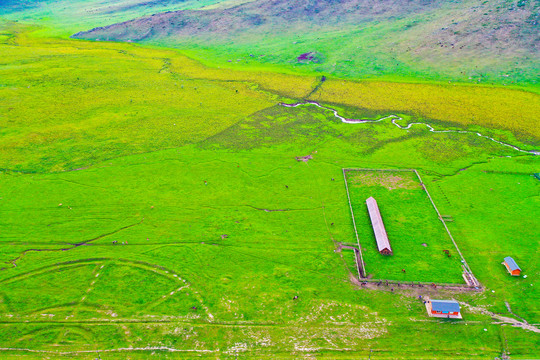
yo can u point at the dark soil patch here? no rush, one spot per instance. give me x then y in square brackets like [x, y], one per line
[310, 57]
[304, 158]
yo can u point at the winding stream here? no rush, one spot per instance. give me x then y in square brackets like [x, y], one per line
[394, 119]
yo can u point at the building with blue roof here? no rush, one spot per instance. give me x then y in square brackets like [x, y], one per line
[444, 309]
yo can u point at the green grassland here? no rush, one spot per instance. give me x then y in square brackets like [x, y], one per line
[126, 234]
[415, 232]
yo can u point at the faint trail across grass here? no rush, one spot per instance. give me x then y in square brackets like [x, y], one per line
[505, 319]
[73, 245]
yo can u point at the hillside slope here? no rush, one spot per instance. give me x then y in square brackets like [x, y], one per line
[481, 40]
[68, 16]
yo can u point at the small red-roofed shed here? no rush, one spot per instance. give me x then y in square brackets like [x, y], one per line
[511, 266]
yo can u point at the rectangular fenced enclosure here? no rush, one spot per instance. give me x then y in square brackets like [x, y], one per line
[422, 249]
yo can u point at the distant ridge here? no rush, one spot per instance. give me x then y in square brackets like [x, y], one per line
[259, 16]
[471, 39]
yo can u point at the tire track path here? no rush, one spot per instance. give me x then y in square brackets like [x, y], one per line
[73, 245]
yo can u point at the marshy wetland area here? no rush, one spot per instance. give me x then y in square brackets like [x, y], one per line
[162, 202]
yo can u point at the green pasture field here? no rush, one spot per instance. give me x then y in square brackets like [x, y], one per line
[152, 207]
[416, 234]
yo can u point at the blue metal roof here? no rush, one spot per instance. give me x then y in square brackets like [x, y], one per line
[511, 263]
[445, 305]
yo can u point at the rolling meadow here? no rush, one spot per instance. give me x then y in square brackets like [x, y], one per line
[155, 207]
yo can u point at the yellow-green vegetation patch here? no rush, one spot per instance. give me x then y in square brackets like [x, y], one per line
[465, 105]
[117, 98]
[292, 86]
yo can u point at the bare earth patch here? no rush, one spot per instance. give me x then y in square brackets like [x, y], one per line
[385, 179]
[304, 158]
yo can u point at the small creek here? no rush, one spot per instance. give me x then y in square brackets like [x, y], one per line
[394, 119]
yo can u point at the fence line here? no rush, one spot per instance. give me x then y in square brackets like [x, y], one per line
[362, 272]
[356, 257]
[367, 169]
[418, 283]
[362, 276]
[466, 266]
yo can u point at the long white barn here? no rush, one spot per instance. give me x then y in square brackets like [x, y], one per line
[378, 227]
